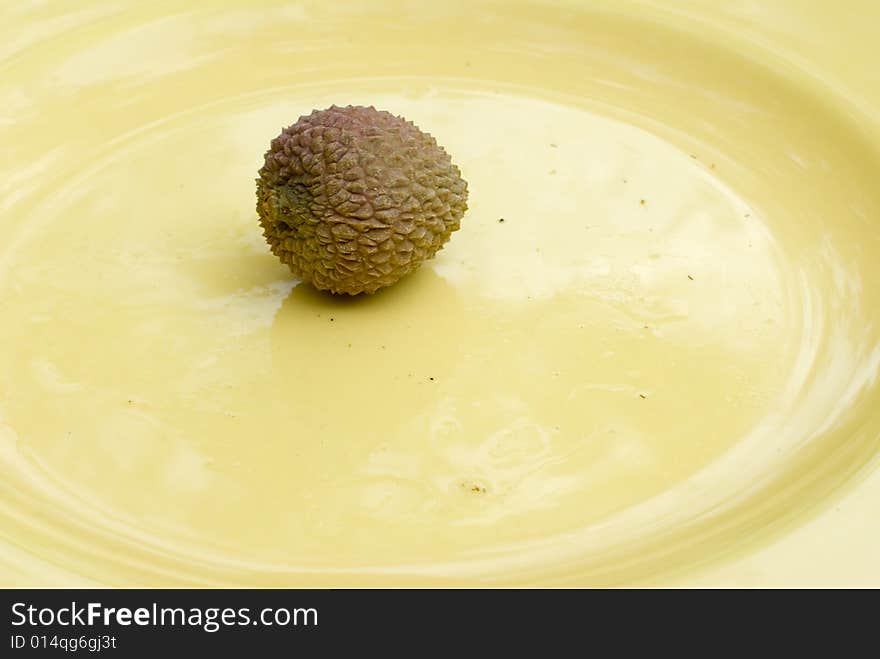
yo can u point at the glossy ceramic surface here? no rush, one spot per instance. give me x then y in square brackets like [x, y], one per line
[652, 347]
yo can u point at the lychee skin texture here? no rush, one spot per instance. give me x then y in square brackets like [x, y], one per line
[354, 198]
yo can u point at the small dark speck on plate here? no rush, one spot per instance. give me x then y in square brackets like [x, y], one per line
[691, 277]
[500, 220]
[642, 396]
[642, 202]
[553, 146]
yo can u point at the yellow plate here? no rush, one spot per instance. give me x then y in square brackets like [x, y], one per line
[663, 357]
